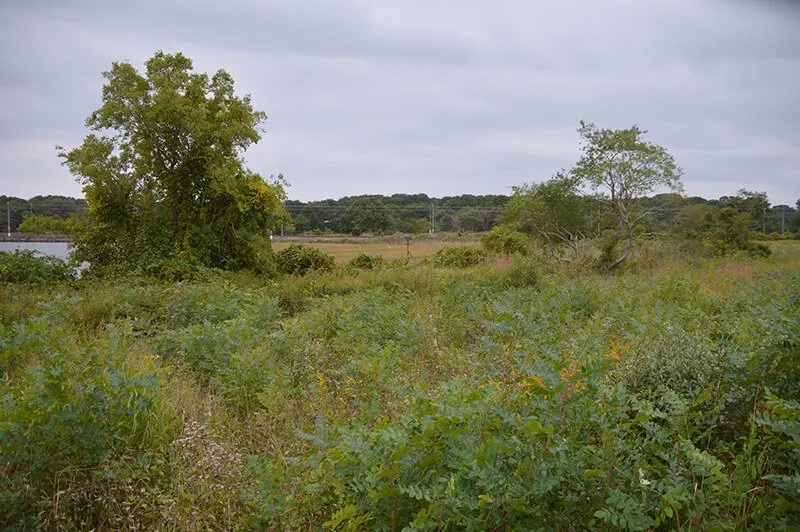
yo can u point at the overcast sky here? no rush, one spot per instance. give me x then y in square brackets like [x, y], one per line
[443, 97]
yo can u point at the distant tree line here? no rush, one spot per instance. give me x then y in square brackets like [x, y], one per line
[52, 207]
[411, 213]
[404, 213]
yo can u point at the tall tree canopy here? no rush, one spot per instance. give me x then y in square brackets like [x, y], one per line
[164, 172]
[623, 168]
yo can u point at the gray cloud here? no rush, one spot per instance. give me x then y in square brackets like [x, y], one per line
[446, 97]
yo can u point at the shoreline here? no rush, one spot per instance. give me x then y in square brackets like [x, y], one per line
[30, 237]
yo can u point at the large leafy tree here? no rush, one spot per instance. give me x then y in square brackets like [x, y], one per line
[164, 173]
[622, 168]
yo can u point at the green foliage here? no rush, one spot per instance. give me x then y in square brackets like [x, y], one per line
[458, 256]
[624, 168]
[403, 213]
[75, 412]
[624, 164]
[176, 269]
[513, 458]
[164, 174]
[676, 359]
[24, 267]
[67, 414]
[495, 397]
[362, 261]
[40, 224]
[365, 215]
[729, 234]
[298, 259]
[780, 421]
[505, 240]
[554, 213]
[46, 208]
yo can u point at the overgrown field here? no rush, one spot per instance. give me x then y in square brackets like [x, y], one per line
[509, 395]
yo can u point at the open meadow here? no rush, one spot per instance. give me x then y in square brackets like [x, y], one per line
[512, 395]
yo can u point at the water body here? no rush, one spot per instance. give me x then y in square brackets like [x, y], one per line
[59, 249]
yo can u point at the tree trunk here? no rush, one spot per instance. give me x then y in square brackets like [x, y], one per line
[625, 254]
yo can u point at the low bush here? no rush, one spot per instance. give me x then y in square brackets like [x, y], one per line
[541, 447]
[298, 259]
[786, 235]
[675, 359]
[506, 240]
[24, 267]
[757, 250]
[362, 261]
[458, 257]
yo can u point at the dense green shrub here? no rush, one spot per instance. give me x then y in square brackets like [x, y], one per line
[462, 308]
[505, 240]
[362, 261]
[23, 266]
[757, 250]
[729, 234]
[786, 235]
[298, 259]
[207, 348]
[458, 256]
[779, 421]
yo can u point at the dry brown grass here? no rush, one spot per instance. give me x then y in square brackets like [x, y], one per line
[344, 251]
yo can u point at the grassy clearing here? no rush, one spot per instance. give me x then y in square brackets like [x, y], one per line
[510, 395]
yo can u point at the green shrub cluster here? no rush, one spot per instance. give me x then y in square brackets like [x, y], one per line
[298, 259]
[506, 240]
[24, 266]
[362, 261]
[458, 256]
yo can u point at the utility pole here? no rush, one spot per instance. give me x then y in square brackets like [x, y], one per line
[8, 212]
